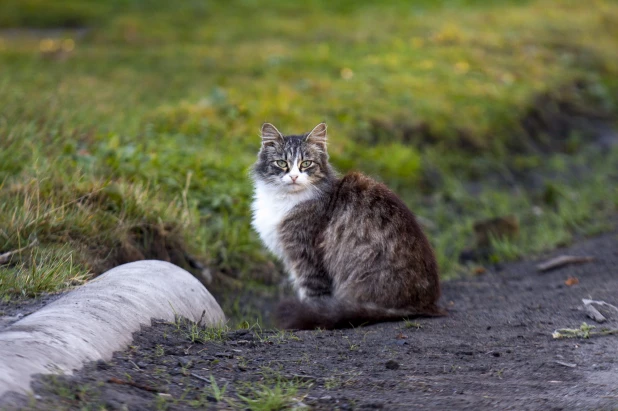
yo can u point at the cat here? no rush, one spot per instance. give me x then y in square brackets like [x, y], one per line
[353, 250]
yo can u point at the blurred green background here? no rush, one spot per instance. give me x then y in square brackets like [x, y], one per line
[127, 127]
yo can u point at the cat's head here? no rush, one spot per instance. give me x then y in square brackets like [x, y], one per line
[295, 163]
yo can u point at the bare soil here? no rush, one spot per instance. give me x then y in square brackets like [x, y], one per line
[493, 351]
[14, 310]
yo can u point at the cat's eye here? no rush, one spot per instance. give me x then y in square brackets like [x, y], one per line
[306, 163]
[281, 163]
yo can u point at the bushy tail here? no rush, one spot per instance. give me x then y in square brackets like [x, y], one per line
[328, 313]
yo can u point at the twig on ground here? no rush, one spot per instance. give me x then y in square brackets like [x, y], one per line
[561, 261]
[594, 313]
[135, 365]
[6, 257]
[566, 364]
[132, 384]
[199, 377]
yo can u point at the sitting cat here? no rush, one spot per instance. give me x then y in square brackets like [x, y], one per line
[353, 250]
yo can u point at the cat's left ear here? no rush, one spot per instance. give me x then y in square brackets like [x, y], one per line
[270, 134]
[317, 135]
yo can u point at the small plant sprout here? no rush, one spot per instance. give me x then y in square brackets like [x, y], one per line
[584, 331]
[412, 324]
[215, 391]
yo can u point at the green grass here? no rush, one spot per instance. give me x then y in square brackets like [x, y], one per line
[279, 397]
[133, 139]
[273, 392]
[44, 271]
[199, 334]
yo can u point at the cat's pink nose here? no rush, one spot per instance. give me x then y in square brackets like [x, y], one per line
[293, 178]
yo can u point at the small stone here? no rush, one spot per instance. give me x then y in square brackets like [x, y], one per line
[176, 371]
[238, 333]
[102, 365]
[326, 398]
[185, 362]
[142, 364]
[392, 365]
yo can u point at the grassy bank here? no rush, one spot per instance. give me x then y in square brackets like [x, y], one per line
[127, 128]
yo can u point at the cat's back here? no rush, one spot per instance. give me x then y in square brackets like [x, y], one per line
[375, 249]
[365, 212]
[362, 194]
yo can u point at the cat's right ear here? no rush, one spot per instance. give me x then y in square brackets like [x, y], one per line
[270, 135]
[318, 135]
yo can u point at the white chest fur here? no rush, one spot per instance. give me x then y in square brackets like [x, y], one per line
[270, 206]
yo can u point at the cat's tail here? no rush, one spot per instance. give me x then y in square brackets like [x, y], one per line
[329, 313]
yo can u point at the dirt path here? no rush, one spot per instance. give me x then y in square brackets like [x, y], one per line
[494, 351]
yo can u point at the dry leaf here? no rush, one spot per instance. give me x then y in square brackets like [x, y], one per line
[6, 257]
[571, 281]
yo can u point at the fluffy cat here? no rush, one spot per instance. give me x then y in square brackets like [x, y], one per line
[354, 251]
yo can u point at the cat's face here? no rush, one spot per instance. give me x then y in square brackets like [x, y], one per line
[292, 164]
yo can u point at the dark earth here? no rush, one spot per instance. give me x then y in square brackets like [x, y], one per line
[493, 351]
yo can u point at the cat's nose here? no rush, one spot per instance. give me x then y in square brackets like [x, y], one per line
[293, 177]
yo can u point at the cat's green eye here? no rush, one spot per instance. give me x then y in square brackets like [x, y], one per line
[281, 163]
[306, 163]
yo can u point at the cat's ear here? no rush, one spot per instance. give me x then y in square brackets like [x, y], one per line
[317, 135]
[270, 134]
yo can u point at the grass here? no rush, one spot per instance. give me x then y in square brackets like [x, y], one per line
[45, 271]
[275, 392]
[264, 398]
[132, 139]
[412, 324]
[215, 391]
[198, 334]
[584, 331]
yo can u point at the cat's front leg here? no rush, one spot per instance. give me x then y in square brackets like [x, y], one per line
[310, 282]
[299, 236]
[307, 274]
